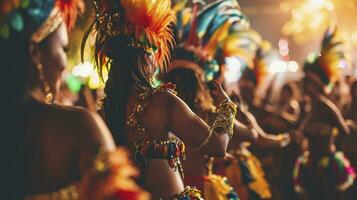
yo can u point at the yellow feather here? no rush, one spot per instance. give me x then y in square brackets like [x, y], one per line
[211, 47]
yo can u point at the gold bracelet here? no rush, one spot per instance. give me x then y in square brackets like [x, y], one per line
[226, 115]
[225, 119]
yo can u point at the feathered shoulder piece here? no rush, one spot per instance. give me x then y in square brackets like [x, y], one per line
[147, 24]
[41, 17]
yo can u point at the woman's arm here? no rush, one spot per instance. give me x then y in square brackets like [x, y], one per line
[243, 133]
[213, 140]
[337, 117]
[265, 139]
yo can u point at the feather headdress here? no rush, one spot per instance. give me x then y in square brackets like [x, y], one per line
[213, 24]
[42, 17]
[253, 53]
[257, 70]
[242, 44]
[328, 65]
[147, 24]
[204, 32]
[70, 10]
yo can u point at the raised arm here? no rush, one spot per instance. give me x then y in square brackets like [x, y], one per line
[340, 121]
[265, 139]
[337, 117]
[186, 125]
[243, 133]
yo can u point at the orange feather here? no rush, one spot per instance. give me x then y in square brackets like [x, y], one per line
[70, 10]
[152, 19]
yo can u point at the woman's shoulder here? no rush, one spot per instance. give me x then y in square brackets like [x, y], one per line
[164, 95]
[76, 122]
[69, 114]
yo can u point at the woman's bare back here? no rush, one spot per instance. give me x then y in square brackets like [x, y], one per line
[60, 143]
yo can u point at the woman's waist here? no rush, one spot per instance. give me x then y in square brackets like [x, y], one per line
[159, 175]
[195, 167]
[162, 168]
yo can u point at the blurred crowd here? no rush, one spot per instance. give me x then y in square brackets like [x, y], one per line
[170, 122]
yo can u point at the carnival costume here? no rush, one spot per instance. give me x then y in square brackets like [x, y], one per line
[144, 26]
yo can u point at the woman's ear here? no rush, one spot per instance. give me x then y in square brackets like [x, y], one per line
[34, 53]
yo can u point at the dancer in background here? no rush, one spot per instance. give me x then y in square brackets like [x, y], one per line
[133, 38]
[53, 152]
[246, 172]
[323, 172]
[192, 67]
[352, 114]
[349, 143]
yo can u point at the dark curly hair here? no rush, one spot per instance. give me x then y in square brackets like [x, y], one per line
[191, 88]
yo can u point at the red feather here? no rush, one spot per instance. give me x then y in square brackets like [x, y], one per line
[70, 10]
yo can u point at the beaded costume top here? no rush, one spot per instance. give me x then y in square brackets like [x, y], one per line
[146, 147]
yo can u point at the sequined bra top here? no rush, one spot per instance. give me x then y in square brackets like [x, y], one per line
[146, 147]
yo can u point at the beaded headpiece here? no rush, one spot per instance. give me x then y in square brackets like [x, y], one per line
[147, 24]
[41, 17]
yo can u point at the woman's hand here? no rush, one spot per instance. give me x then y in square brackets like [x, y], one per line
[218, 94]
